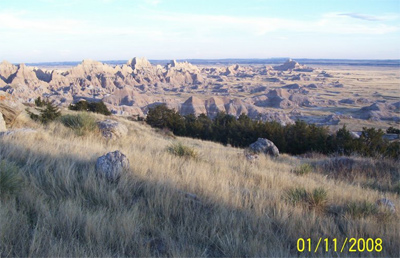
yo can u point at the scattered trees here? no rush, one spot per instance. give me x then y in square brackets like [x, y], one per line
[295, 138]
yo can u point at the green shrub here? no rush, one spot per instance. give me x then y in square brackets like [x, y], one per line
[181, 150]
[361, 209]
[316, 199]
[303, 169]
[297, 195]
[96, 107]
[10, 179]
[81, 123]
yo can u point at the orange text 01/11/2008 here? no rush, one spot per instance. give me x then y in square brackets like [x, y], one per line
[351, 245]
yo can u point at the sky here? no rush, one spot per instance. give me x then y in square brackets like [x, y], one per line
[73, 30]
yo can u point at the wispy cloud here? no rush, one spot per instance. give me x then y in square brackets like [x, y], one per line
[331, 23]
[362, 16]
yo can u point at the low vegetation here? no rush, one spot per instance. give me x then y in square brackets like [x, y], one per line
[361, 209]
[181, 150]
[294, 139]
[169, 205]
[378, 174]
[82, 123]
[315, 199]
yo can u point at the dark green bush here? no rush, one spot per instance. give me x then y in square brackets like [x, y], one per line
[96, 107]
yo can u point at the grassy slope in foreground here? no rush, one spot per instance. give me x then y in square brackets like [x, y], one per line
[245, 209]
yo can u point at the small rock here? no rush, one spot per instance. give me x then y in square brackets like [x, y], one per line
[112, 129]
[386, 203]
[265, 146]
[112, 165]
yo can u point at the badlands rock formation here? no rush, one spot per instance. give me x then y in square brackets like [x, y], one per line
[261, 92]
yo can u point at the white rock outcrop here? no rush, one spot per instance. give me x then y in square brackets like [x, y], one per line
[112, 165]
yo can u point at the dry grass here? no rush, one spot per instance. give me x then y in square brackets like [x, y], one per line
[239, 208]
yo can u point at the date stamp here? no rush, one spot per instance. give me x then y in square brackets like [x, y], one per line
[351, 245]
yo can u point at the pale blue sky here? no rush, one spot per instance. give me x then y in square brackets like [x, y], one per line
[71, 30]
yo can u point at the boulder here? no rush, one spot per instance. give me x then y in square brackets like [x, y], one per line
[10, 107]
[112, 129]
[263, 145]
[2, 123]
[112, 165]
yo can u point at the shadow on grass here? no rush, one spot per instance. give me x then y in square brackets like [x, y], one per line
[65, 210]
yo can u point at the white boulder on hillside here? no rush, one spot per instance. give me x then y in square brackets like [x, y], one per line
[263, 145]
[112, 129]
[112, 165]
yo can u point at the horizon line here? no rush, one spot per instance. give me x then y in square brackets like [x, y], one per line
[214, 59]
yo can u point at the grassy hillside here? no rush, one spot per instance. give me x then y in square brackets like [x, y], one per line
[212, 202]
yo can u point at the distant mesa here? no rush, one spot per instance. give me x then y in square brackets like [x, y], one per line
[292, 65]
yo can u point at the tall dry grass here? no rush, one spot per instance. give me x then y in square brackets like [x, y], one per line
[217, 204]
